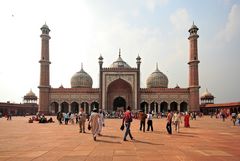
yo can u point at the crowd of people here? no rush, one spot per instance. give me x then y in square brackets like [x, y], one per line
[95, 121]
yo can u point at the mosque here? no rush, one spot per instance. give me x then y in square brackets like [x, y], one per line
[119, 86]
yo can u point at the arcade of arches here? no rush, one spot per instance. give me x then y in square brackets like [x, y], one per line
[163, 107]
[73, 107]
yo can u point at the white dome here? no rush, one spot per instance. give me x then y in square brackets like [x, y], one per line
[206, 95]
[81, 79]
[119, 63]
[157, 80]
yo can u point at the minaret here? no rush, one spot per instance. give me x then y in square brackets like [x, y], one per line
[193, 69]
[138, 81]
[44, 85]
[100, 61]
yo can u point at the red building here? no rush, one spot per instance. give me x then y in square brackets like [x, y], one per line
[29, 106]
[119, 85]
[208, 107]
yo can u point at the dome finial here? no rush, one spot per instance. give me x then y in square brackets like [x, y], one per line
[157, 67]
[206, 90]
[119, 52]
[81, 67]
[193, 22]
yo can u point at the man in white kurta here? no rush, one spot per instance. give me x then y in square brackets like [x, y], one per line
[94, 123]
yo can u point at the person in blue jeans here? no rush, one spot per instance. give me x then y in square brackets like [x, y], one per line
[127, 119]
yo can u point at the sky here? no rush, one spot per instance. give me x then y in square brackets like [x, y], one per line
[156, 30]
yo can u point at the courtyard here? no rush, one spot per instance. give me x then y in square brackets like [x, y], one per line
[208, 139]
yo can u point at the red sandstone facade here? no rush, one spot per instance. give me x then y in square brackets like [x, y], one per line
[193, 69]
[44, 86]
[119, 86]
[29, 106]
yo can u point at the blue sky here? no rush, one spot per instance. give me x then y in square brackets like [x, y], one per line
[157, 30]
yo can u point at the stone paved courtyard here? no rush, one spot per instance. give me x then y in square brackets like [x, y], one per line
[207, 140]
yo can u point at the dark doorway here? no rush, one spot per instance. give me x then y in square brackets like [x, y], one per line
[183, 107]
[54, 107]
[74, 107]
[64, 107]
[173, 106]
[164, 107]
[95, 105]
[119, 102]
[143, 106]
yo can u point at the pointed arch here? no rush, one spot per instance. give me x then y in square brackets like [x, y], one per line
[173, 106]
[74, 107]
[54, 107]
[64, 107]
[183, 106]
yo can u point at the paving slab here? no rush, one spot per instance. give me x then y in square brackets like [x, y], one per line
[206, 139]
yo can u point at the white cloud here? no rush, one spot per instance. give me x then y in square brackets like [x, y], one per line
[180, 20]
[232, 27]
[152, 4]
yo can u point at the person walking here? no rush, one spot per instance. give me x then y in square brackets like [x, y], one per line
[149, 121]
[94, 123]
[234, 118]
[177, 120]
[60, 117]
[186, 120]
[66, 118]
[71, 117]
[169, 122]
[82, 116]
[127, 119]
[101, 122]
[238, 117]
[142, 117]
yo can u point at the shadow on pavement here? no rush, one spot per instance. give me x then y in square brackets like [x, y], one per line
[107, 141]
[145, 142]
[110, 136]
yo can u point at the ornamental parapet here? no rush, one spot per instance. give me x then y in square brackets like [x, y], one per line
[164, 90]
[74, 90]
[119, 69]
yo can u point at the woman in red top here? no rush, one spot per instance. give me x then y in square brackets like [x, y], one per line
[186, 120]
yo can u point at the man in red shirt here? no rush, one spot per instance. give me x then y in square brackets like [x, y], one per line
[127, 119]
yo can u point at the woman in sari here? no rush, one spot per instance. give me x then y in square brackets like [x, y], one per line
[186, 120]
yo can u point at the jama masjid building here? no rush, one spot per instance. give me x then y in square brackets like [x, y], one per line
[119, 86]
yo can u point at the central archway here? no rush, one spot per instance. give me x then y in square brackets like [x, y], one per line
[119, 93]
[119, 103]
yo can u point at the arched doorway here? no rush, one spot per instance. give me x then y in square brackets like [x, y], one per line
[74, 107]
[54, 108]
[119, 103]
[121, 90]
[164, 107]
[173, 106]
[94, 105]
[64, 107]
[85, 106]
[154, 107]
[183, 107]
[144, 106]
